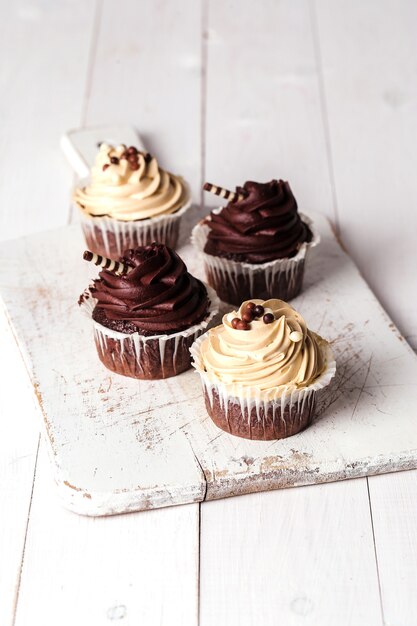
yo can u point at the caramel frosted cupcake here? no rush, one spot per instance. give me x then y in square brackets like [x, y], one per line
[256, 246]
[263, 371]
[130, 201]
[147, 310]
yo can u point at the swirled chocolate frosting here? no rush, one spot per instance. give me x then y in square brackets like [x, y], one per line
[262, 226]
[158, 295]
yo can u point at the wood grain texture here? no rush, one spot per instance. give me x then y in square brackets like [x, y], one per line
[42, 82]
[394, 514]
[19, 438]
[131, 569]
[120, 444]
[263, 116]
[147, 72]
[295, 557]
[370, 88]
[42, 87]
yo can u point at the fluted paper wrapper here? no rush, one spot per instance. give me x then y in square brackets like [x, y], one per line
[147, 357]
[253, 417]
[111, 237]
[236, 281]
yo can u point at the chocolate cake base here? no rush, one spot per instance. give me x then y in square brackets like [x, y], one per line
[261, 425]
[235, 288]
[147, 359]
[107, 243]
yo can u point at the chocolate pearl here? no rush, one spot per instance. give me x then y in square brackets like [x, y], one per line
[248, 316]
[148, 157]
[250, 306]
[105, 166]
[242, 325]
[235, 322]
[132, 150]
[132, 157]
[258, 310]
[134, 166]
[114, 160]
[268, 318]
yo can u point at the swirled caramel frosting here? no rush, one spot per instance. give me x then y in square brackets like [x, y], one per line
[263, 348]
[129, 185]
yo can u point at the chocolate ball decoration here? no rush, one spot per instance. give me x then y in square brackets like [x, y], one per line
[114, 160]
[242, 325]
[248, 316]
[235, 322]
[268, 318]
[250, 306]
[259, 310]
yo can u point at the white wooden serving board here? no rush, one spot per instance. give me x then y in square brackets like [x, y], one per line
[121, 445]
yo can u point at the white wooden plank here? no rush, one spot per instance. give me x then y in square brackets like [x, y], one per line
[148, 74]
[394, 514]
[369, 56]
[154, 575]
[136, 569]
[259, 98]
[18, 448]
[42, 82]
[295, 557]
[263, 117]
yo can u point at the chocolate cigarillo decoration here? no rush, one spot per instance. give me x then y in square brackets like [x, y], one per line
[108, 264]
[223, 193]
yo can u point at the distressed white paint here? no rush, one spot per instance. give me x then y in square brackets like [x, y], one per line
[119, 444]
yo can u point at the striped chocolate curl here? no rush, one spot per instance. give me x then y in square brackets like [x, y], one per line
[223, 193]
[108, 264]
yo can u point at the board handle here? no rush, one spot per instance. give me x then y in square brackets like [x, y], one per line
[80, 145]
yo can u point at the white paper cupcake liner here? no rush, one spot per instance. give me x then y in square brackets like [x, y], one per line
[109, 237]
[122, 347]
[280, 271]
[288, 406]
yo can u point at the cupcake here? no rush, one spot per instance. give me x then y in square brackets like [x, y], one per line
[147, 310]
[262, 371]
[256, 246]
[130, 201]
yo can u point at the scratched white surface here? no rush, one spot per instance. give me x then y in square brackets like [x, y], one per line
[320, 92]
[119, 445]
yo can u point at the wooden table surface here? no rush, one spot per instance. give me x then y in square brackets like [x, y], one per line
[322, 93]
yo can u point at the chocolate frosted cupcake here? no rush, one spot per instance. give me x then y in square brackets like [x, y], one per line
[130, 201]
[147, 311]
[263, 371]
[256, 246]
